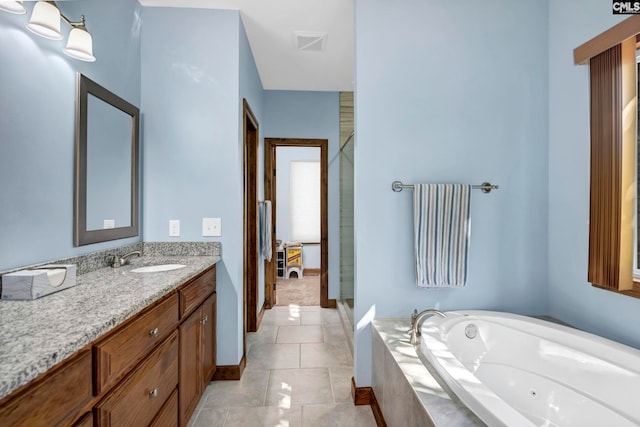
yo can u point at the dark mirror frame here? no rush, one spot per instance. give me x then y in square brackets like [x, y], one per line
[82, 236]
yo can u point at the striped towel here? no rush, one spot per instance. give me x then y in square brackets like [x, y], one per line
[264, 213]
[442, 227]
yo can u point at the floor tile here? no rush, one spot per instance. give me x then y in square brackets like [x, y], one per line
[281, 316]
[273, 356]
[333, 333]
[299, 334]
[249, 391]
[266, 334]
[310, 308]
[208, 417]
[194, 416]
[341, 383]
[324, 316]
[265, 416]
[290, 387]
[338, 415]
[325, 355]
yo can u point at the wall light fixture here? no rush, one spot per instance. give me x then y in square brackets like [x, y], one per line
[13, 6]
[45, 22]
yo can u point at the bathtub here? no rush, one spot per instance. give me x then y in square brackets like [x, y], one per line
[513, 370]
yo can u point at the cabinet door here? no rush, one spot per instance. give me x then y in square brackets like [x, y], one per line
[85, 421]
[208, 340]
[190, 365]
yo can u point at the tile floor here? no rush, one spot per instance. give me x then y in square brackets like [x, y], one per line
[298, 373]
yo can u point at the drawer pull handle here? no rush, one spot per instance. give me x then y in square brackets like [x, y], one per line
[154, 392]
[154, 332]
[204, 320]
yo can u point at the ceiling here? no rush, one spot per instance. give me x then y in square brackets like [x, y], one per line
[270, 27]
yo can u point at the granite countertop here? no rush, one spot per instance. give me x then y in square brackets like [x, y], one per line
[439, 400]
[36, 335]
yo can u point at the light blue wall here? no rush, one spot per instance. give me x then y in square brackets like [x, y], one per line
[571, 297]
[450, 92]
[291, 114]
[284, 157]
[192, 144]
[37, 104]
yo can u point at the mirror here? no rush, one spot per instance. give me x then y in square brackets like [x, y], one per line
[106, 165]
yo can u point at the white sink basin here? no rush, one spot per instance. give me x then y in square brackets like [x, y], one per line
[157, 268]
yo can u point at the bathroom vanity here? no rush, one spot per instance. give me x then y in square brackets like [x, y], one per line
[121, 348]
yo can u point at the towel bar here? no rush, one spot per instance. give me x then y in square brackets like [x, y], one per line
[486, 187]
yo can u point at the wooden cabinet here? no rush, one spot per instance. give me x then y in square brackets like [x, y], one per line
[85, 421]
[55, 399]
[137, 401]
[209, 340]
[197, 356]
[168, 415]
[149, 371]
[197, 341]
[115, 355]
[193, 293]
[190, 366]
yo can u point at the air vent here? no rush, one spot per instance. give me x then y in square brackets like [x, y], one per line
[309, 41]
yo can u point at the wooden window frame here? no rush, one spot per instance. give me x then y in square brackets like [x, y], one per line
[611, 56]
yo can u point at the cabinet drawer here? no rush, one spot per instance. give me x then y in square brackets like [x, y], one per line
[122, 350]
[142, 394]
[57, 399]
[192, 295]
[168, 416]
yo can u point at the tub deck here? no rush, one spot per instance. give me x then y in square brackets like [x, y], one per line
[410, 394]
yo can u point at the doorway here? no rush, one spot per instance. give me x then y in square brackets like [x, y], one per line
[270, 189]
[250, 281]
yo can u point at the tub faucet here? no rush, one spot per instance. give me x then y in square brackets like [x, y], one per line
[416, 320]
[124, 259]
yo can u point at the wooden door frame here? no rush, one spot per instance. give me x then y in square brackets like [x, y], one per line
[250, 137]
[270, 145]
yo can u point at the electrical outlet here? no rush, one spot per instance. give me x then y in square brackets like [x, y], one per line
[211, 227]
[174, 228]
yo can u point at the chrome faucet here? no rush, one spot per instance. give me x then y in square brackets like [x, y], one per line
[416, 320]
[124, 259]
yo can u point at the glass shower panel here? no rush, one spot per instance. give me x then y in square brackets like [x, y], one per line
[346, 227]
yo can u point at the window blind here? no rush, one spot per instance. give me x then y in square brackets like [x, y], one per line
[612, 78]
[304, 201]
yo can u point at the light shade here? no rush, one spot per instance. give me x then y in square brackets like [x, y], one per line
[45, 21]
[80, 45]
[13, 6]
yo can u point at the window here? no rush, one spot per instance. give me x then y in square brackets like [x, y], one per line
[613, 107]
[304, 201]
[636, 234]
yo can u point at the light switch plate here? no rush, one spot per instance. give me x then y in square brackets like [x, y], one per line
[174, 228]
[212, 227]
